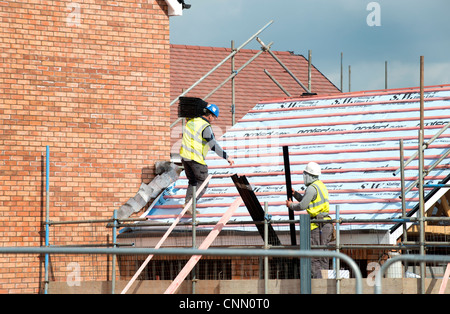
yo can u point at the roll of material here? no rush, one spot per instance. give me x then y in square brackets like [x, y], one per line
[191, 107]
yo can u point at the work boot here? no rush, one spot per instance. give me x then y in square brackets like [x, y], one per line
[189, 211]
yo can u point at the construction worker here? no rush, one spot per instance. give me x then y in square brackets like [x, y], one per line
[315, 202]
[198, 138]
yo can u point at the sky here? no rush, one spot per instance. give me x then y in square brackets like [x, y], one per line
[368, 33]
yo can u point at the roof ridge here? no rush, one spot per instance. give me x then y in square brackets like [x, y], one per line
[213, 48]
[376, 92]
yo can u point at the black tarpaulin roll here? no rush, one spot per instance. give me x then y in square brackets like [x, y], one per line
[191, 107]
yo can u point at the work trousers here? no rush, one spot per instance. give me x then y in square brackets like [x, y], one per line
[320, 236]
[196, 174]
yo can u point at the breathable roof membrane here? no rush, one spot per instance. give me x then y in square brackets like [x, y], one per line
[355, 139]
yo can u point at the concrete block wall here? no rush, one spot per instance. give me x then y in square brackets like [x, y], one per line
[90, 79]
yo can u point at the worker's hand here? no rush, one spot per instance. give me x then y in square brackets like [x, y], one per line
[230, 161]
[288, 202]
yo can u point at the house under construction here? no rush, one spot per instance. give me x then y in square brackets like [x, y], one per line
[88, 90]
[358, 139]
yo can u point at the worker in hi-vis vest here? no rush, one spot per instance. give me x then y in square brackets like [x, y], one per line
[315, 202]
[198, 138]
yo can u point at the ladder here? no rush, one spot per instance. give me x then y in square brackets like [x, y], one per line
[445, 279]
[161, 241]
[205, 245]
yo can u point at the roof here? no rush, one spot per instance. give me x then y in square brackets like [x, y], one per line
[353, 136]
[432, 197]
[190, 63]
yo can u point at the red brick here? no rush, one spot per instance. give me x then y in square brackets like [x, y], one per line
[85, 91]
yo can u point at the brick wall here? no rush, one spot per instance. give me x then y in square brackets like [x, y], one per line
[89, 78]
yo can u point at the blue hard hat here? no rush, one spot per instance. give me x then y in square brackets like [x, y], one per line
[214, 109]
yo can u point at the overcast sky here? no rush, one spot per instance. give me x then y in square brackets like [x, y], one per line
[402, 31]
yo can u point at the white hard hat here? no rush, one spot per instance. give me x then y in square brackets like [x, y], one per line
[313, 168]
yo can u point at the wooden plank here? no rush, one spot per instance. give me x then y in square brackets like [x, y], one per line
[287, 174]
[445, 205]
[445, 279]
[205, 245]
[430, 230]
[254, 207]
[161, 241]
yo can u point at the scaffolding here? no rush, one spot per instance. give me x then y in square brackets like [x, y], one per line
[235, 72]
[114, 223]
[114, 248]
[404, 245]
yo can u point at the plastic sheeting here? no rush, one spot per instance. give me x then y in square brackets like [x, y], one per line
[353, 136]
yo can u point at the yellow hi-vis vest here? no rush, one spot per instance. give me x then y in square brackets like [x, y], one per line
[193, 145]
[320, 204]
